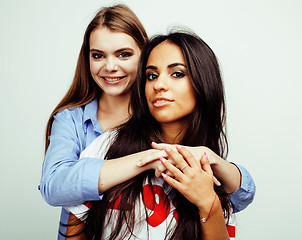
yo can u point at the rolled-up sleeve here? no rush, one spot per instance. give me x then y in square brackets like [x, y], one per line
[243, 196]
[67, 180]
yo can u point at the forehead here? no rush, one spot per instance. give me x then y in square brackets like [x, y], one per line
[108, 40]
[165, 54]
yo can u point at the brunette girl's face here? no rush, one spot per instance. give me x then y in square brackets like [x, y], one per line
[113, 60]
[168, 89]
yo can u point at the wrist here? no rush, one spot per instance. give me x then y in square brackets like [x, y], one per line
[205, 203]
[214, 159]
[210, 209]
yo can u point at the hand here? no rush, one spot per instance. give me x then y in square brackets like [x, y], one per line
[151, 161]
[151, 156]
[197, 152]
[160, 168]
[194, 180]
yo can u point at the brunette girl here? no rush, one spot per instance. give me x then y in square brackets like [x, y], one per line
[179, 99]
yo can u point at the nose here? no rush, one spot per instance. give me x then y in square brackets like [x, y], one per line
[161, 84]
[111, 64]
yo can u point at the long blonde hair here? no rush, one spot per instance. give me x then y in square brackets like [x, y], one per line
[83, 88]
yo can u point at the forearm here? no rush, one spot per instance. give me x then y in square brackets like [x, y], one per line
[227, 173]
[119, 170]
[214, 227]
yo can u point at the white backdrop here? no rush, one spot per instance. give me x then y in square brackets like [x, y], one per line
[258, 43]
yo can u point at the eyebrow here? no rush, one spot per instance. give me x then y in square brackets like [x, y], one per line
[172, 65]
[176, 64]
[119, 50]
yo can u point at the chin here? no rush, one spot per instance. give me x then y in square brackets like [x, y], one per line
[116, 92]
[163, 119]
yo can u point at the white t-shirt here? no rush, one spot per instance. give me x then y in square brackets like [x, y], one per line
[162, 217]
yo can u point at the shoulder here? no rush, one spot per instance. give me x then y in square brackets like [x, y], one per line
[69, 117]
[67, 120]
[75, 111]
[89, 108]
[83, 112]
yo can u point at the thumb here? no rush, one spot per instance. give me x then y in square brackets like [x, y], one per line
[158, 146]
[205, 165]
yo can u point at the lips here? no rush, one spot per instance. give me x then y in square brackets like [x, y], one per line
[161, 102]
[113, 80]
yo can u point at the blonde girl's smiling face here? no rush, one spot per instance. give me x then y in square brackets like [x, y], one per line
[113, 60]
[168, 89]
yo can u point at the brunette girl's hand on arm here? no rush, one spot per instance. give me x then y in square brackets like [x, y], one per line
[188, 182]
[235, 179]
[228, 174]
[161, 169]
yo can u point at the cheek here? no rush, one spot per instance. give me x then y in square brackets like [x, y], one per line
[130, 67]
[148, 90]
[188, 98]
[148, 93]
[94, 68]
[191, 101]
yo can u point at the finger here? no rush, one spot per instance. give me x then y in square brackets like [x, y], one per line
[161, 146]
[171, 161]
[172, 169]
[159, 170]
[157, 173]
[188, 156]
[216, 182]
[205, 165]
[157, 146]
[169, 174]
[162, 169]
[172, 182]
[177, 158]
[151, 158]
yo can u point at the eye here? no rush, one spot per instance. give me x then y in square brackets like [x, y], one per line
[124, 55]
[178, 74]
[97, 55]
[151, 76]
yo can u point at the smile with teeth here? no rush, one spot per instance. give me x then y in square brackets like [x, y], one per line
[161, 102]
[113, 79]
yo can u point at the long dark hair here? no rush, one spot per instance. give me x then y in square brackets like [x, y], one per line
[206, 128]
[83, 89]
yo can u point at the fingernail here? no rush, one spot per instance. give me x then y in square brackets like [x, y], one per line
[167, 149]
[162, 159]
[206, 155]
[139, 163]
[178, 147]
[164, 175]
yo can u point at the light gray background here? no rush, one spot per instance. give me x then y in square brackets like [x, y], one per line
[258, 43]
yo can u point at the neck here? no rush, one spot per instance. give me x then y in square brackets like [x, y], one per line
[172, 133]
[113, 110]
[114, 103]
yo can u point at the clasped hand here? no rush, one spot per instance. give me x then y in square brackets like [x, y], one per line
[152, 161]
